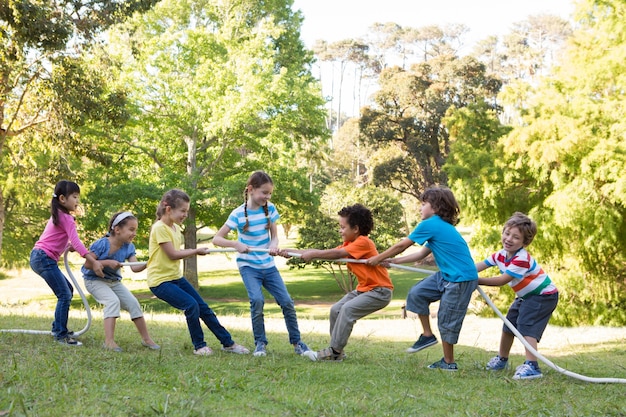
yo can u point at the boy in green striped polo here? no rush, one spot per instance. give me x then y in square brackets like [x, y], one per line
[536, 297]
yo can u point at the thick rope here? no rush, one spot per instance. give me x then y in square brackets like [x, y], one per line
[82, 296]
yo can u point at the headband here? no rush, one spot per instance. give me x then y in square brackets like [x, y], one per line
[121, 217]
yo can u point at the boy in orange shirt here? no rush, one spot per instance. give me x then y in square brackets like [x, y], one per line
[374, 289]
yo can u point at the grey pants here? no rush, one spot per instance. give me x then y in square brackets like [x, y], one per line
[353, 306]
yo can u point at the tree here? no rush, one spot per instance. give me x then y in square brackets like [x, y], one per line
[40, 80]
[216, 96]
[564, 165]
[409, 112]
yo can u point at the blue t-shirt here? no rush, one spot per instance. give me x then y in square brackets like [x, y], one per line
[449, 249]
[101, 248]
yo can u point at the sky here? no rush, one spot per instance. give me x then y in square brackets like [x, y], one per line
[334, 20]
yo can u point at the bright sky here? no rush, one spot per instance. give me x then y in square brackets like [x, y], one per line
[334, 20]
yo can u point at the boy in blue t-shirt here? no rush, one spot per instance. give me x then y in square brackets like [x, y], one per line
[455, 282]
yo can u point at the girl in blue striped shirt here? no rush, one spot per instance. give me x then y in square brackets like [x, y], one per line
[255, 223]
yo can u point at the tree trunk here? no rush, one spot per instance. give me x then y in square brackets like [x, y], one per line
[190, 265]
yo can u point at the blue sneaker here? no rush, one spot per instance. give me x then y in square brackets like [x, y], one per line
[260, 349]
[527, 371]
[444, 366]
[422, 343]
[300, 348]
[497, 364]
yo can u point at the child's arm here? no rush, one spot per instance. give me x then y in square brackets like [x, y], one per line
[137, 268]
[392, 251]
[175, 254]
[220, 240]
[421, 253]
[308, 255]
[273, 240]
[111, 263]
[95, 265]
[498, 281]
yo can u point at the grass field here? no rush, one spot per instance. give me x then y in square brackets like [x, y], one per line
[41, 378]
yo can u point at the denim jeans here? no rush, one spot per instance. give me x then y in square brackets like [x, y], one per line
[48, 269]
[182, 295]
[254, 279]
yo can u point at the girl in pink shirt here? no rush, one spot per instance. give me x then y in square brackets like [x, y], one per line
[59, 234]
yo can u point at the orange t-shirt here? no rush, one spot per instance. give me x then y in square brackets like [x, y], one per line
[368, 276]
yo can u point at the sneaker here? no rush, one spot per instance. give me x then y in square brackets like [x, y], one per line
[260, 350]
[236, 349]
[422, 343]
[311, 355]
[497, 364]
[444, 366]
[69, 341]
[203, 351]
[300, 348]
[327, 354]
[527, 371]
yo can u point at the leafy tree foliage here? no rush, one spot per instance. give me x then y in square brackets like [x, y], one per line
[45, 94]
[219, 89]
[409, 114]
[565, 167]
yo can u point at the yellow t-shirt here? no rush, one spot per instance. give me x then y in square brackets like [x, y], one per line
[160, 267]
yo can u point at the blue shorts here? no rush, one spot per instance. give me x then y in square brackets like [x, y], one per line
[530, 315]
[454, 298]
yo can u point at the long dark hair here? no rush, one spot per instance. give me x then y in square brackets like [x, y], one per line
[256, 180]
[63, 188]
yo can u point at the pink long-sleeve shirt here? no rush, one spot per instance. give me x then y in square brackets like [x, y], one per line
[54, 239]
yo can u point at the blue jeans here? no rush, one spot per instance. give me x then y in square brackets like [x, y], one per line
[254, 279]
[48, 269]
[182, 295]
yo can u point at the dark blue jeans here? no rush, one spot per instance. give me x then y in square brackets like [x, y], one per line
[182, 295]
[48, 269]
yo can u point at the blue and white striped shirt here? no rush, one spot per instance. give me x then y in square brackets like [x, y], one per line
[257, 235]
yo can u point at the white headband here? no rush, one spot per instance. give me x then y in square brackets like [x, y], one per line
[121, 217]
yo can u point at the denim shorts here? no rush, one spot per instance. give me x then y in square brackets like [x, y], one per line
[530, 315]
[454, 298]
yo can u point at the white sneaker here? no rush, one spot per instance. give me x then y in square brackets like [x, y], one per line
[203, 351]
[241, 350]
[310, 354]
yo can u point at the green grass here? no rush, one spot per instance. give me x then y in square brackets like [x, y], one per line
[41, 378]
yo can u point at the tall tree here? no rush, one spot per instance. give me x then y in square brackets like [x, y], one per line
[220, 88]
[40, 82]
[408, 114]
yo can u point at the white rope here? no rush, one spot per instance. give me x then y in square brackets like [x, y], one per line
[82, 296]
[506, 321]
[350, 260]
